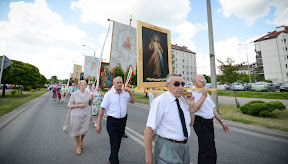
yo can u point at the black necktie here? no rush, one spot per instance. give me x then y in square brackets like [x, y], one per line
[182, 119]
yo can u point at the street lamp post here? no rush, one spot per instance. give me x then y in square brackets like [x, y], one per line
[90, 48]
[248, 62]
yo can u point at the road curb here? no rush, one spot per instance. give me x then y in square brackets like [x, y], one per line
[9, 117]
[256, 129]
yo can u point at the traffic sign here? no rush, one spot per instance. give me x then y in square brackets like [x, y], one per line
[7, 62]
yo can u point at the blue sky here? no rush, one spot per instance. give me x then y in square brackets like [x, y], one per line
[50, 33]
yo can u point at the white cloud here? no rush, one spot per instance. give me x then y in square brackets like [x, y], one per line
[250, 11]
[35, 34]
[281, 12]
[162, 13]
[245, 9]
[235, 49]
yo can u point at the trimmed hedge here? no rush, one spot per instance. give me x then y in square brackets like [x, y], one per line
[261, 108]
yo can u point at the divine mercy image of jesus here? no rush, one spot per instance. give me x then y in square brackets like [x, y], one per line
[155, 54]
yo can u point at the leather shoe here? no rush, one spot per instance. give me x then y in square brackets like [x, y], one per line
[125, 135]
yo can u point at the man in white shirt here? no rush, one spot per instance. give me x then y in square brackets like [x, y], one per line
[203, 125]
[115, 101]
[171, 117]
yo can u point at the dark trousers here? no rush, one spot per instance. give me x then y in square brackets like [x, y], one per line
[204, 129]
[115, 128]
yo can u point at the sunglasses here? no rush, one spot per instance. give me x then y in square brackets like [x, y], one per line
[176, 84]
[90, 84]
[202, 80]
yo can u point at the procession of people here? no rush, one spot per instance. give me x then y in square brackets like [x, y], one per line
[169, 122]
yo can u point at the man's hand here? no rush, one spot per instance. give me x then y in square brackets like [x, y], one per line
[98, 128]
[126, 89]
[190, 100]
[204, 91]
[225, 126]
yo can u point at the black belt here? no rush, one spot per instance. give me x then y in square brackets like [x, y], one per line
[199, 118]
[182, 142]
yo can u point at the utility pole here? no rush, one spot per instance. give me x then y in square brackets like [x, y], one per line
[212, 56]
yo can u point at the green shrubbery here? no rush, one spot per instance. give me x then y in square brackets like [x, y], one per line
[261, 108]
[32, 90]
[13, 92]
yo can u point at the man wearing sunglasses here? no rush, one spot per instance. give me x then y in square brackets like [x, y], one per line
[171, 116]
[203, 125]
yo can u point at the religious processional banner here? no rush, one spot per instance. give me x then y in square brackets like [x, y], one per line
[76, 72]
[91, 68]
[106, 76]
[123, 49]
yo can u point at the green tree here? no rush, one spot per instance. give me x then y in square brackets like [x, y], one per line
[230, 74]
[208, 79]
[20, 73]
[54, 79]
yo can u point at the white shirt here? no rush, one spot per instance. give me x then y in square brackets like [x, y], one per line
[206, 110]
[115, 104]
[164, 117]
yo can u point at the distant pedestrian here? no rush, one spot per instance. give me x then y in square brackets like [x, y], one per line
[203, 126]
[55, 93]
[115, 102]
[79, 104]
[64, 93]
[59, 93]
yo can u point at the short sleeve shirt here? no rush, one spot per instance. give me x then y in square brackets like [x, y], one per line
[206, 110]
[164, 117]
[116, 104]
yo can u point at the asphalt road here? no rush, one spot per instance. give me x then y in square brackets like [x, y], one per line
[36, 136]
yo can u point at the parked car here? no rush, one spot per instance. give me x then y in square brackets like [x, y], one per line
[263, 87]
[208, 85]
[241, 87]
[224, 87]
[277, 85]
[284, 87]
[188, 85]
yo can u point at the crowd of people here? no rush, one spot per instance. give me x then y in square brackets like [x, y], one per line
[170, 117]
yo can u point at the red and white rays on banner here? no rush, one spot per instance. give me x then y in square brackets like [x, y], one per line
[129, 77]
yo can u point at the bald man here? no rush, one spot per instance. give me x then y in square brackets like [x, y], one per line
[203, 124]
[115, 102]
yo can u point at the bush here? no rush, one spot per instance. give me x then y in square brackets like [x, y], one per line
[32, 90]
[261, 108]
[14, 92]
[27, 88]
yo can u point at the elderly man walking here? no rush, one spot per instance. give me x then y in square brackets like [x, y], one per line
[203, 125]
[115, 102]
[171, 116]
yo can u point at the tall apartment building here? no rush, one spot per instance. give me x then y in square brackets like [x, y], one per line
[272, 55]
[184, 62]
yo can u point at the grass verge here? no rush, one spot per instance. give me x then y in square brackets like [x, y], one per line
[11, 102]
[252, 94]
[279, 119]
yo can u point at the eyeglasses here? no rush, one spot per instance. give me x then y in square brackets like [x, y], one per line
[176, 84]
[90, 84]
[202, 80]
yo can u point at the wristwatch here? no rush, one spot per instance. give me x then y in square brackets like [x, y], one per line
[221, 121]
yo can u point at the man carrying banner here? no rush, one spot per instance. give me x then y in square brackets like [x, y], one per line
[115, 101]
[171, 116]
